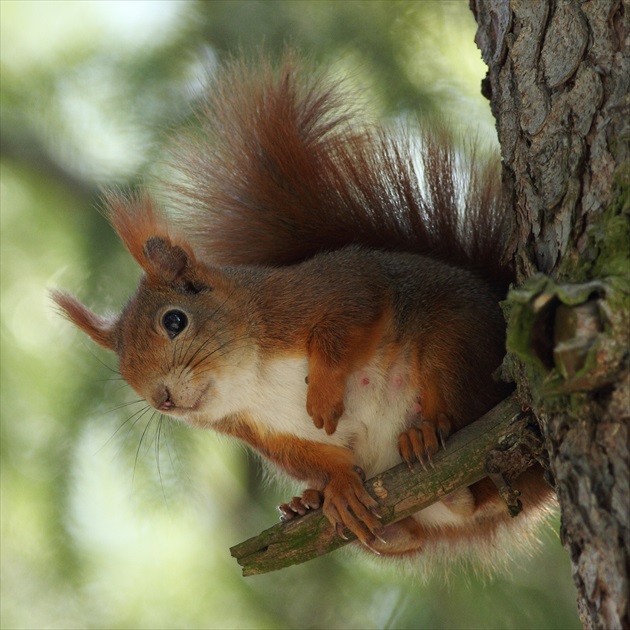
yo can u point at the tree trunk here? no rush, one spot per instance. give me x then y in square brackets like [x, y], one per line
[558, 84]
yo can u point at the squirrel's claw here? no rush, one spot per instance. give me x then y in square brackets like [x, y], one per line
[348, 505]
[339, 530]
[299, 506]
[421, 441]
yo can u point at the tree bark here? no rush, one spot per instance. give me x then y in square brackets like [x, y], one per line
[558, 83]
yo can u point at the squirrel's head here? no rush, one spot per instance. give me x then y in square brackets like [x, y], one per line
[177, 336]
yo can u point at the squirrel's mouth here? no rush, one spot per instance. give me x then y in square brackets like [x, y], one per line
[170, 404]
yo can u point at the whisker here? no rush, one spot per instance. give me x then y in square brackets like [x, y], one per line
[210, 338]
[165, 355]
[158, 435]
[133, 419]
[196, 352]
[110, 380]
[126, 404]
[142, 436]
[123, 385]
[185, 348]
[220, 351]
[107, 367]
[169, 427]
[176, 351]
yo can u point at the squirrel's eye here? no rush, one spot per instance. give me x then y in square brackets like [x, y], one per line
[174, 322]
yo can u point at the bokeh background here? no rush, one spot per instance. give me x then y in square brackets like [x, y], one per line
[113, 520]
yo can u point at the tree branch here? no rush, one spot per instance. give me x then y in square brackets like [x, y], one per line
[501, 445]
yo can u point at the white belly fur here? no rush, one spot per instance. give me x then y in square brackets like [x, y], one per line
[378, 407]
[374, 415]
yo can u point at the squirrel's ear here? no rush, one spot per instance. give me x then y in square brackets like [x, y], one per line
[136, 219]
[172, 263]
[100, 329]
[144, 231]
[166, 260]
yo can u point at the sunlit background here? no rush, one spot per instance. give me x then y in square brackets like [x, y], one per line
[110, 520]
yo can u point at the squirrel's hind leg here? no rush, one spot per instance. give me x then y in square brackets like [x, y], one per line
[401, 538]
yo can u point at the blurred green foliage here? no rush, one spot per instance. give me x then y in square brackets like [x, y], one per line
[112, 518]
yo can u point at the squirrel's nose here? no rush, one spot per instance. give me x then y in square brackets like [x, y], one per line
[164, 401]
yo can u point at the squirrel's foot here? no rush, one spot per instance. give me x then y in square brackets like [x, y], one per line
[324, 408]
[402, 538]
[299, 506]
[347, 504]
[421, 441]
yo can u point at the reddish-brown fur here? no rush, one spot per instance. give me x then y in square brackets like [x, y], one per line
[300, 233]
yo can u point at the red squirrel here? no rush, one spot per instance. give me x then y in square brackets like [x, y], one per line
[326, 292]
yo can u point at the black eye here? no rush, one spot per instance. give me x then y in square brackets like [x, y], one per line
[174, 322]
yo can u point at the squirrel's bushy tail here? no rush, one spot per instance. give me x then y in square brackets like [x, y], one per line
[282, 168]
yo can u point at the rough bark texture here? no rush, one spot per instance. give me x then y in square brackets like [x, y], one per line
[558, 83]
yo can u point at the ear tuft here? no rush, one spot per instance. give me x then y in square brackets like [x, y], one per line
[144, 231]
[101, 329]
[136, 219]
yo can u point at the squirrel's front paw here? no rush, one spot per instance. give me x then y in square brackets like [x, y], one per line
[421, 441]
[299, 506]
[324, 408]
[348, 504]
